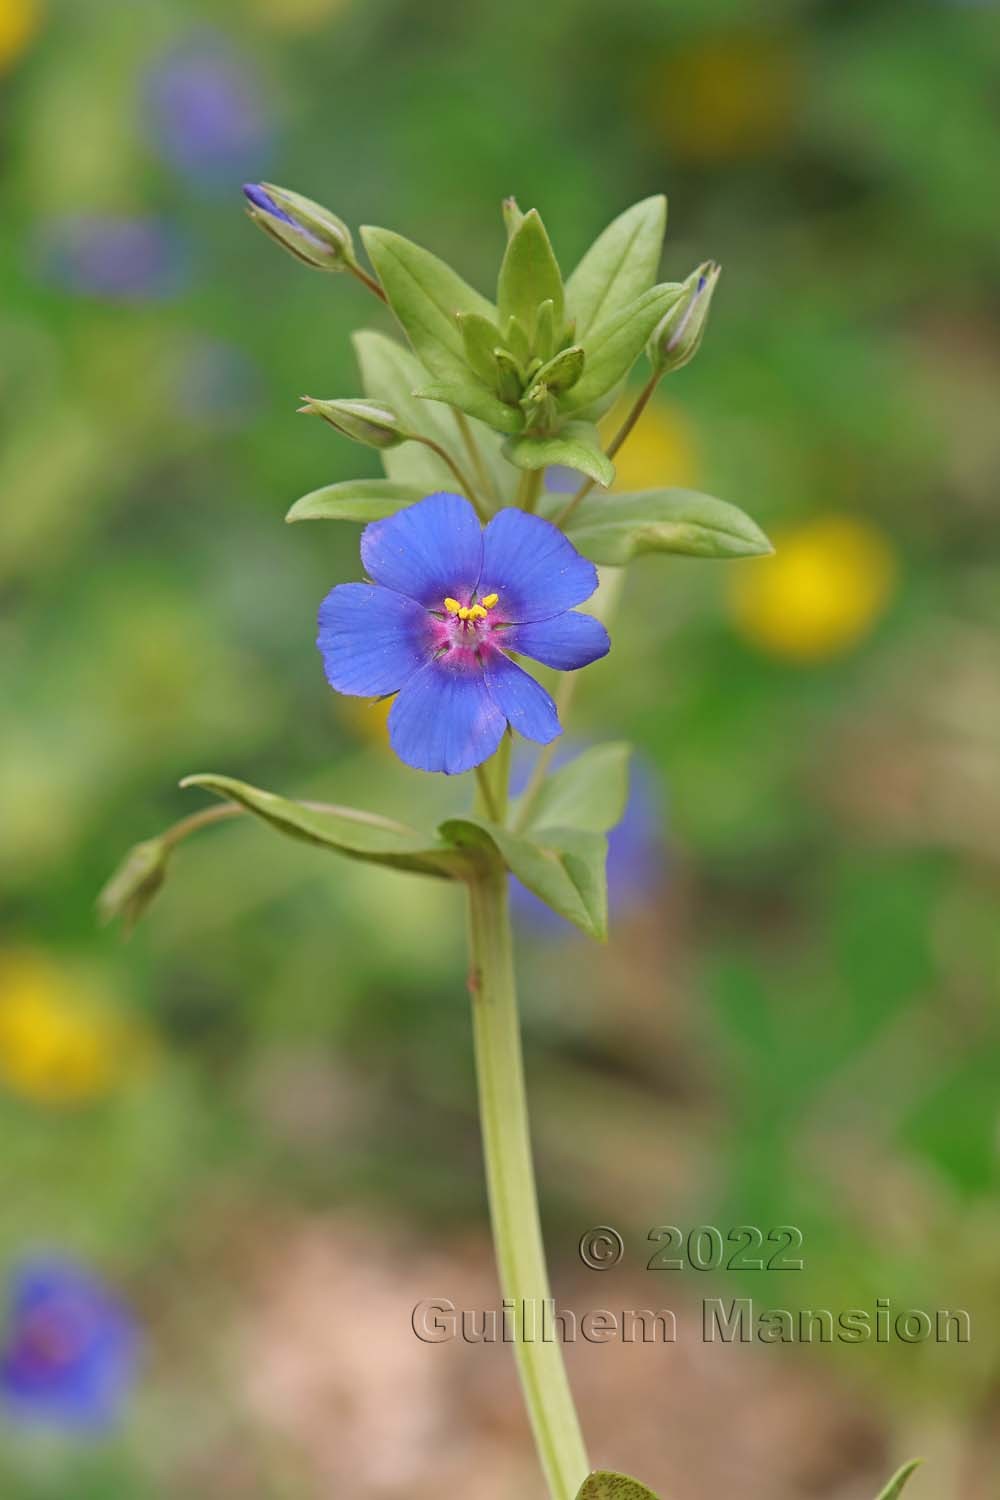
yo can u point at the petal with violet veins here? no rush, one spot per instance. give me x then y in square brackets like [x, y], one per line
[445, 719]
[371, 639]
[523, 701]
[568, 641]
[427, 551]
[534, 569]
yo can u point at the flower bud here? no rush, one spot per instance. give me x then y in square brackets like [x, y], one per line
[367, 422]
[135, 882]
[312, 233]
[678, 336]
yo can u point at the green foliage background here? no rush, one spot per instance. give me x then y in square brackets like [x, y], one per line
[802, 1014]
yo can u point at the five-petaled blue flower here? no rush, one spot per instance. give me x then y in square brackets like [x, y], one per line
[449, 603]
[69, 1351]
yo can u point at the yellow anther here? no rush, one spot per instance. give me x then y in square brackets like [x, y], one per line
[477, 612]
[452, 606]
[464, 613]
[490, 600]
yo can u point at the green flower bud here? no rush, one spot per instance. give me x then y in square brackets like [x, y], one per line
[564, 370]
[311, 232]
[512, 216]
[678, 336]
[135, 882]
[367, 422]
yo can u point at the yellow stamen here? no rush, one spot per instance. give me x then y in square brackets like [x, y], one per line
[477, 612]
[490, 600]
[452, 606]
[464, 613]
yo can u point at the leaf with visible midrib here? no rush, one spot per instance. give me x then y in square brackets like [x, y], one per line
[564, 867]
[613, 347]
[345, 830]
[619, 266]
[613, 529]
[360, 500]
[603, 1485]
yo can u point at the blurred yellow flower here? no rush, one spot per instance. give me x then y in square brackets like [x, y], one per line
[827, 583]
[366, 720]
[725, 97]
[661, 451]
[59, 1043]
[19, 20]
[299, 15]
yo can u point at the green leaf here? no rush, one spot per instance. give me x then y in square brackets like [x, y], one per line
[478, 402]
[620, 265]
[603, 1485]
[529, 276]
[613, 348]
[895, 1486]
[516, 340]
[588, 793]
[613, 529]
[361, 500]
[564, 867]
[426, 295]
[577, 446]
[358, 835]
[480, 337]
[545, 330]
[390, 373]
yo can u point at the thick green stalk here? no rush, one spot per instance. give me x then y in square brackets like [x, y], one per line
[510, 1177]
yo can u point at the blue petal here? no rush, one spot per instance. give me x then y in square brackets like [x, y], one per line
[371, 639]
[523, 701]
[533, 568]
[445, 720]
[567, 642]
[428, 551]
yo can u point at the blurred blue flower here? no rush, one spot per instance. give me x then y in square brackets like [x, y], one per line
[561, 480]
[68, 1356]
[637, 850]
[214, 384]
[449, 601]
[115, 258]
[204, 112]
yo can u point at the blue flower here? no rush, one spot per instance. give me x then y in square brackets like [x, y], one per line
[204, 113]
[113, 258]
[68, 1358]
[450, 601]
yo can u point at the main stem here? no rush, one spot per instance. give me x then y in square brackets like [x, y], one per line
[510, 1178]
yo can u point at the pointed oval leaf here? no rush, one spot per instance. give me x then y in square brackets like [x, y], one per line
[589, 792]
[564, 867]
[613, 529]
[613, 348]
[620, 265]
[345, 830]
[603, 1485]
[476, 401]
[894, 1488]
[360, 500]
[480, 337]
[576, 447]
[425, 294]
[529, 276]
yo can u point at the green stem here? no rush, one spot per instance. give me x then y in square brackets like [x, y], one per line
[468, 489]
[510, 1178]
[529, 489]
[620, 438]
[366, 280]
[474, 451]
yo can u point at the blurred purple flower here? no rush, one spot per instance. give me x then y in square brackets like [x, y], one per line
[560, 480]
[214, 384]
[204, 113]
[68, 1356]
[115, 258]
[637, 851]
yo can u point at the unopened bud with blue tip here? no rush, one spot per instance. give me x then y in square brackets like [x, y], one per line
[310, 232]
[678, 336]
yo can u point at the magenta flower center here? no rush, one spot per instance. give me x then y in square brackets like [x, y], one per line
[463, 630]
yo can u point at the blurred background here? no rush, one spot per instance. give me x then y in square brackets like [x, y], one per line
[237, 1150]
